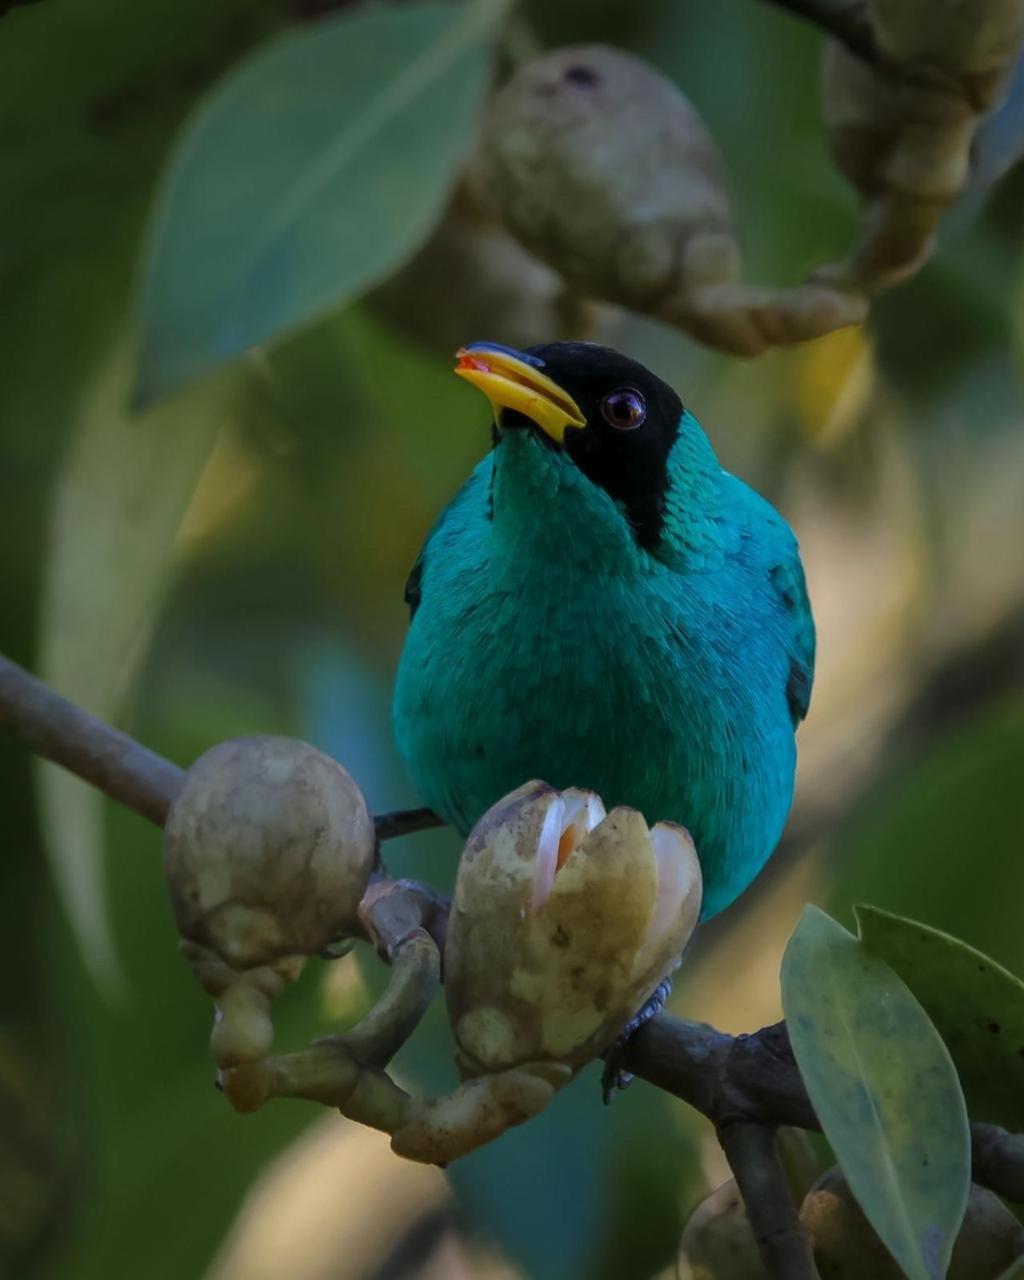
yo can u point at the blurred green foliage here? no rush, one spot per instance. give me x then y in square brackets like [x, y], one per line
[941, 840]
[279, 609]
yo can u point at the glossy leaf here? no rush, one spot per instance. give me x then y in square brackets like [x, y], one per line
[306, 176]
[977, 1007]
[119, 500]
[885, 1090]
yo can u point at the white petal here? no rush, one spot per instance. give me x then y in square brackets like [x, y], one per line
[678, 876]
[584, 808]
[547, 852]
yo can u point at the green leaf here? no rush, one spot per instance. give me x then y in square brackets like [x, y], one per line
[120, 497]
[977, 1007]
[885, 1090]
[306, 176]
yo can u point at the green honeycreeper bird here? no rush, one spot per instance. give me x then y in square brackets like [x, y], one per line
[603, 606]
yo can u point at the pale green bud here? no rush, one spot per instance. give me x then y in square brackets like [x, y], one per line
[267, 851]
[559, 163]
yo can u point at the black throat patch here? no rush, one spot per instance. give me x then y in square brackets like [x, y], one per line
[633, 473]
[631, 465]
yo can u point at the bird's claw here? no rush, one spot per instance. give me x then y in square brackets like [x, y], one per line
[614, 1077]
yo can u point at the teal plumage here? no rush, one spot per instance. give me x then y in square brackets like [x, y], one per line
[561, 631]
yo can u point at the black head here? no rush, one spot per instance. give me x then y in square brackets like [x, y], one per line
[613, 418]
[632, 422]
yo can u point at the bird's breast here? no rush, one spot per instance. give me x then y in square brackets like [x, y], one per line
[581, 678]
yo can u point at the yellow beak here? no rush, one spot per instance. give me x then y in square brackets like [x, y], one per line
[510, 381]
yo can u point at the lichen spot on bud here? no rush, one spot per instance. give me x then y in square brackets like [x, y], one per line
[243, 932]
[489, 1037]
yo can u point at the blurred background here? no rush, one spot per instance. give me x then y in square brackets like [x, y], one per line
[266, 596]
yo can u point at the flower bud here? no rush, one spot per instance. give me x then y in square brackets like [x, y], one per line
[718, 1240]
[902, 131]
[564, 920]
[267, 851]
[989, 1240]
[560, 163]
[643, 224]
[974, 44]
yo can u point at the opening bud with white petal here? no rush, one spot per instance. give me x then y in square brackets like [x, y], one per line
[564, 921]
[267, 851]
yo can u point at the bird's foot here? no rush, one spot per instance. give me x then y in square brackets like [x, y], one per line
[615, 1077]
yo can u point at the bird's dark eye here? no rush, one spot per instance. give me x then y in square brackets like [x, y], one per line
[625, 409]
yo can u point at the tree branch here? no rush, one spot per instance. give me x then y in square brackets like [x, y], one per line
[114, 763]
[111, 761]
[404, 822]
[728, 1078]
[754, 1079]
[753, 1156]
[844, 20]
